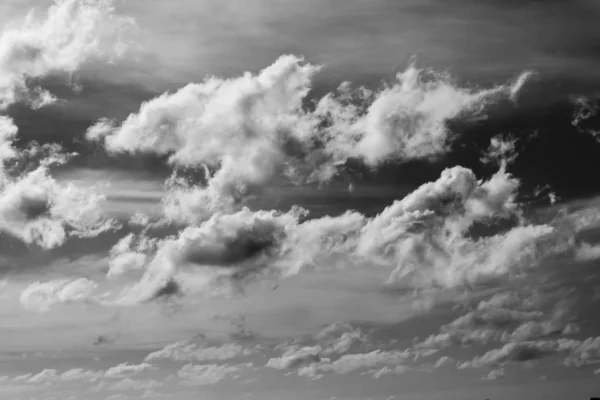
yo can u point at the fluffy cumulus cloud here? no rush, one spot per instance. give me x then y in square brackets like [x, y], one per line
[423, 240]
[503, 318]
[117, 378]
[310, 362]
[227, 246]
[243, 132]
[72, 33]
[40, 296]
[335, 350]
[237, 135]
[238, 128]
[35, 207]
[406, 119]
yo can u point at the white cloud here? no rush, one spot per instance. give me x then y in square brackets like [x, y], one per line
[77, 374]
[124, 370]
[505, 318]
[246, 131]
[525, 352]
[584, 353]
[8, 133]
[501, 151]
[36, 208]
[40, 296]
[587, 252]
[423, 240]
[45, 376]
[72, 33]
[495, 374]
[238, 128]
[351, 362]
[424, 236]
[230, 246]
[310, 361]
[130, 253]
[398, 370]
[206, 374]
[444, 362]
[584, 110]
[406, 119]
[296, 357]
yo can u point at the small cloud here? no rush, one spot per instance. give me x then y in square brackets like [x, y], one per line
[41, 296]
[494, 375]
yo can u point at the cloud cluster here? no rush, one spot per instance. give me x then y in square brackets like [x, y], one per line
[41, 296]
[585, 109]
[244, 132]
[501, 151]
[238, 129]
[36, 208]
[505, 317]
[406, 119]
[328, 353]
[119, 375]
[423, 240]
[72, 33]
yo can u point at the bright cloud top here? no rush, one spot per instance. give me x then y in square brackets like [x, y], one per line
[72, 33]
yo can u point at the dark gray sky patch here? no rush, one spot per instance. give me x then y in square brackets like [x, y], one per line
[167, 291]
[231, 251]
[32, 208]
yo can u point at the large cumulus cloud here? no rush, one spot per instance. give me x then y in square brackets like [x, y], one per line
[71, 33]
[422, 240]
[246, 131]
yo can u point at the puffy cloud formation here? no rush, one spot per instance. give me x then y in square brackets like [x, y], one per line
[39, 210]
[505, 317]
[246, 131]
[495, 374]
[232, 246]
[8, 133]
[40, 296]
[328, 354]
[501, 151]
[36, 208]
[520, 352]
[239, 127]
[295, 357]
[425, 235]
[129, 253]
[308, 362]
[125, 370]
[404, 120]
[424, 240]
[72, 33]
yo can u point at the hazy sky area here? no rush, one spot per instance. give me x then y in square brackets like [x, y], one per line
[283, 199]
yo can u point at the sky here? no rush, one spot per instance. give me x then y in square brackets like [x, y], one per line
[275, 199]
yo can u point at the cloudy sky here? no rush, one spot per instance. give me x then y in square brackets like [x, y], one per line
[319, 199]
